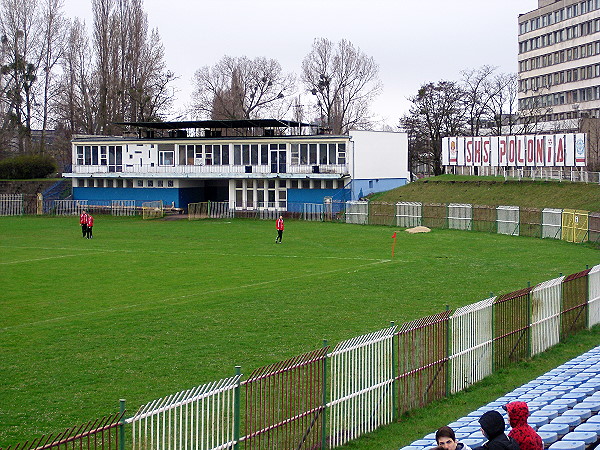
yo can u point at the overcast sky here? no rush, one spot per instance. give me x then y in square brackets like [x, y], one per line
[412, 41]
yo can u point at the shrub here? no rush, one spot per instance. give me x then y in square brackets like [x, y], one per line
[27, 167]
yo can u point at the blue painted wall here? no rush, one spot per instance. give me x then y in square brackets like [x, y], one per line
[360, 188]
[297, 197]
[180, 197]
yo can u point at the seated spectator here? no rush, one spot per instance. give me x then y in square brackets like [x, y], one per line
[522, 432]
[446, 440]
[492, 426]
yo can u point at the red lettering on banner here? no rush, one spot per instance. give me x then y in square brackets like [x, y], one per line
[477, 151]
[486, 150]
[540, 151]
[530, 150]
[520, 151]
[502, 152]
[560, 151]
[469, 153]
[511, 151]
[550, 151]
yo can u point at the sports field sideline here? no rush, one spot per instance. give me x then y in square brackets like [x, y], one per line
[148, 308]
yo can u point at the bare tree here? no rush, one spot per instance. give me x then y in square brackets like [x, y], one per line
[53, 26]
[477, 95]
[438, 111]
[502, 108]
[344, 82]
[19, 23]
[591, 126]
[133, 82]
[241, 88]
[77, 105]
[532, 112]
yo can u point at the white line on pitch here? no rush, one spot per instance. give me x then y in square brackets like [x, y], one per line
[39, 259]
[189, 297]
[139, 251]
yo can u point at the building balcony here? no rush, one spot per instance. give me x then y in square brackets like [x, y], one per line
[211, 171]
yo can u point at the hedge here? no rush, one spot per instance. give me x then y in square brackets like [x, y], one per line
[27, 167]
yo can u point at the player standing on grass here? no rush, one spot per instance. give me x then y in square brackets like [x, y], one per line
[83, 222]
[279, 226]
[90, 225]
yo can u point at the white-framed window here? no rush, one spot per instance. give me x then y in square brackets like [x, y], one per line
[166, 158]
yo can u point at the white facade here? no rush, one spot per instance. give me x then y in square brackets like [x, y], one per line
[559, 63]
[246, 171]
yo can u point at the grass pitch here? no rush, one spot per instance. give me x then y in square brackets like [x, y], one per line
[149, 308]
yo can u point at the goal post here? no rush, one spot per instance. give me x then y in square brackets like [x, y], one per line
[152, 210]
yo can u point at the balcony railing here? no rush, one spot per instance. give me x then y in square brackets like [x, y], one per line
[202, 171]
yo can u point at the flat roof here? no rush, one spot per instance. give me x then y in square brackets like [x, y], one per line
[240, 123]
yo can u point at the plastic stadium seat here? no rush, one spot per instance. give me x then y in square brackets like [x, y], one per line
[537, 421]
[560, 408]
[567, 445]
[424, 443]
[577, 396]
[588, 437]
[473, 442]
[548, 413]
[582, 413]
[594, 427]
[568, 402]
[584, 390]
[548, 437]
[571, 421]
[559, 428]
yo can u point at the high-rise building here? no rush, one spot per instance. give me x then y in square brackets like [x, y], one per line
[559, 65]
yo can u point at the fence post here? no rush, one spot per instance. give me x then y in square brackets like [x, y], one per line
[394, 372]
[448, 352]
[236, 410]
[493, 334]
[529, 313]
[122, 425]
[324, 401]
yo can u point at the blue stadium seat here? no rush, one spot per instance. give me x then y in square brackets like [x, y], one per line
[548, 437]
[567, 445]
[588, 437]
[595, 427]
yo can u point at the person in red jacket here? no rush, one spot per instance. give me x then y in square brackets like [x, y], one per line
[279, 226]
[522, 432]
[83, 223]
[90, 225]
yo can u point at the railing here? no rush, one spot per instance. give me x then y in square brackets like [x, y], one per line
[105, 433]
[530, 173]
[221, 170]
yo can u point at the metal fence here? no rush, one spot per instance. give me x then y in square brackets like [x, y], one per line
[328, 397]
[104, 433]
[567, 224]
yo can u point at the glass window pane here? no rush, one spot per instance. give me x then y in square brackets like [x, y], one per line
[313, 153]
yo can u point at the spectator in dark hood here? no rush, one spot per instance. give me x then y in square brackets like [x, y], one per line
[526, 437]
[492, 425]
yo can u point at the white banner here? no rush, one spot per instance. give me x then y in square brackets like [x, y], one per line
[551, 150]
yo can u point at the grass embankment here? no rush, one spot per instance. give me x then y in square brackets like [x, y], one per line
[150, 308]
[494, 191]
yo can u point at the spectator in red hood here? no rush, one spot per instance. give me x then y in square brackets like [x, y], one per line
[528, 439]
